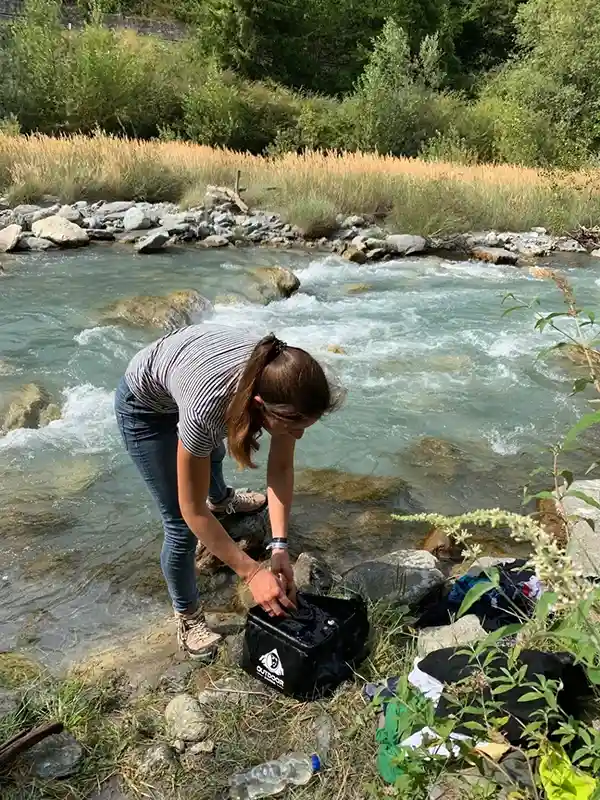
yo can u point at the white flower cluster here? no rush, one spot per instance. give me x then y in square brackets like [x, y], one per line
[552, 565]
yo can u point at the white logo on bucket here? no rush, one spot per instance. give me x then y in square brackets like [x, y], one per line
[272, 663]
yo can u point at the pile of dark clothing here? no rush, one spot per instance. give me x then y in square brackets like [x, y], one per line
[454, 683]
[513, 600]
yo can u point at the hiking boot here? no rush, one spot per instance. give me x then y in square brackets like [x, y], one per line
[239, 501]
[195, 637]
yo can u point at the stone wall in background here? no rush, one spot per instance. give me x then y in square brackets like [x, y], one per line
[12, 9]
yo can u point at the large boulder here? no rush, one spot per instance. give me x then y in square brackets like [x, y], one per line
[157, 311]
[275, 283]
[72, 213]
[403, 244]
[60, 231]
[9, 238]
[114, 209]
[26, 409]
[154, 242]
[495, 255]
[34, 245]
[403, 577]
[136, 219]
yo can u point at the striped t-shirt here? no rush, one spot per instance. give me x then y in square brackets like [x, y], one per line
[193, 371]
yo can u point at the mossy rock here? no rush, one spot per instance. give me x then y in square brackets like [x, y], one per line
[358, 288]
[50, 414]
[26, 408]
[348, 487]
[168, 311]
[17, 670]
[57, 564]
[436, 457]
[275, 283]
[578, 355]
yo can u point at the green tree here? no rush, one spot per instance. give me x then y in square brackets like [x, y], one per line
[558, 72]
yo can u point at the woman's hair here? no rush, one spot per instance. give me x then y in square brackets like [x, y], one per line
[292, 385]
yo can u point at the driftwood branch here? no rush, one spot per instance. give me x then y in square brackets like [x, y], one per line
[26, 739]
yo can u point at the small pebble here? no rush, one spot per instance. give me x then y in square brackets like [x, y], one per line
[207, 746]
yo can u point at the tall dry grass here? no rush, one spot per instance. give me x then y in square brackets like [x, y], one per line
[412, 195]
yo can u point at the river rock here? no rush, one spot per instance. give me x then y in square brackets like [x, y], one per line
[275, 282]
[202, 748]
[154, 242]
[110, 790]
[136, 219]
[358, 288]
[173, 310]
[9, 238]
[403, 244]
[565, 244]
[174, 680]
[10, 700]
[312, 575]
[584, 542]
[26, 409]
[101, 235]
[34, 244]
[438, 458]
[495, 255]
[595, 253]
[157, 759]
[119, 207]
[403, 577]
[345, 486]
[579, 355]
[215, 240]
[72, 213]
[60, 231]
[185, 719]
[25, 214]
[355, 255]
[225, 623]
[464, 631]
[353, 221]
[54, 757]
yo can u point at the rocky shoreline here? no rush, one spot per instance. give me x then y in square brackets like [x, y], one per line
[224, 220]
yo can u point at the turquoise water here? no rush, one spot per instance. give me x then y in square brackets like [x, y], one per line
[426, 352]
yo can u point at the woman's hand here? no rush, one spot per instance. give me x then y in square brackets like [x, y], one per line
[269, 593]
[282, 569]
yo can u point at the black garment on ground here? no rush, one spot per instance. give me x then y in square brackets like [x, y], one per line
[450, 666]
[493, 609]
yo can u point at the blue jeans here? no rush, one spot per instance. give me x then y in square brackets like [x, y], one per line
[151, 441]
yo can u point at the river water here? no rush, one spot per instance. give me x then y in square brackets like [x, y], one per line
[426, 352]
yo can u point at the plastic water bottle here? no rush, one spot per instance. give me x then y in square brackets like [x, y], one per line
[291, 769]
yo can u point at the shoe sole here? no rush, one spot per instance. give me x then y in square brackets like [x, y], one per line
[206, 657]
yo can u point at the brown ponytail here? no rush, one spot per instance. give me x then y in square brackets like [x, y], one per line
[292, 385]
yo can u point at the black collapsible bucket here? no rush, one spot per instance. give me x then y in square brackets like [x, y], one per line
[310, 652]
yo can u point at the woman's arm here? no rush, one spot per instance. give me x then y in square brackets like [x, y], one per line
[280, 483]
[193, 481]
[280, 491]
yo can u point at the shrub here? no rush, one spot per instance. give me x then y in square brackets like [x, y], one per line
[313, 214]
